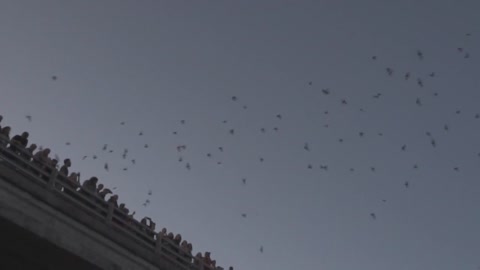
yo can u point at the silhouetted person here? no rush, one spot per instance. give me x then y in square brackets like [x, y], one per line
[90, 186]
[198, 261]
[5, 136]
[51, 166]
[207, 260]
[72, 184]
[114, 200]
[123, 208]
[41, 161]
[102, 192]
[184, 252]
[19, 142]
[28, 153]
[64, 169]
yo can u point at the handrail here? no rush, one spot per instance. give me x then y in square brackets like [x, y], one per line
[103, 210]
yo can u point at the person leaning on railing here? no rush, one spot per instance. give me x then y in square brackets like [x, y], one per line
[19, 142]
[63, 173]
[186, 251]
[40, 160]
[50, 167]
[148, 226]
[88, 189]
[103, 192]
[72, 184]
[64, 169]
[5, 135]
[198, 261]
[27, 153]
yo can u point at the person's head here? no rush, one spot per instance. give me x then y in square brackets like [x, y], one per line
[25, 135]
[199, 255]
[189, 247]
[100, 187]
[54, 162]
[67, 162]
[122, 205]
[170, 235]
[1, 118]
[178, 238]
[230, 268]
[46, 151]
[164, 231]
[73, 175]
[32, 147]
[207, 254]
[94, 180]
[6, 130]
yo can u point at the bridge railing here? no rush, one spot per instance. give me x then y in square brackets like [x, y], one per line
[50, 179]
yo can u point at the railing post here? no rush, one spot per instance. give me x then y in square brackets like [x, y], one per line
[53, 179]
[158, 243]
[110, 213]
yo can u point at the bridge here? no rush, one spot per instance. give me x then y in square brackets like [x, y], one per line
[43, 227]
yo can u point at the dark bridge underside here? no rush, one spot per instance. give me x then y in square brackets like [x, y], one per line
[22, 250]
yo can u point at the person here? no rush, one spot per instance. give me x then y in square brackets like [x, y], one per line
[90, 186]
[72, 184]
[185, 252]
[124, 209]
[88, 189]
[41, 157]
[52, 167]
[63, 172]
[1, 118]
[99, 188]
[198, 261]
[207, 260]
[40, 160]
[103, 193]
[64, 169]
[175, 246]
[189, 248]
[5, 136]
[74, 180]
[19, 142]
[114, 200]
[163, 232]
[28, 153]
[178, 239]
[170, 238]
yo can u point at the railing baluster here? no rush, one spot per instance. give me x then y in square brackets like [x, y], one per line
[53, 179]
[158, 244]
[111, 207]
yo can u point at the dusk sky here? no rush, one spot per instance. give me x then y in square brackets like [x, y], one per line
[153, 64]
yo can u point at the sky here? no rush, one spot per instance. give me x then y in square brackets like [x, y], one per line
[152, 64]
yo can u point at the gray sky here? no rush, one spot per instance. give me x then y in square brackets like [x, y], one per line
[154, 63]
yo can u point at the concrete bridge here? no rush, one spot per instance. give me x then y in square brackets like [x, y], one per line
[44, 228]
